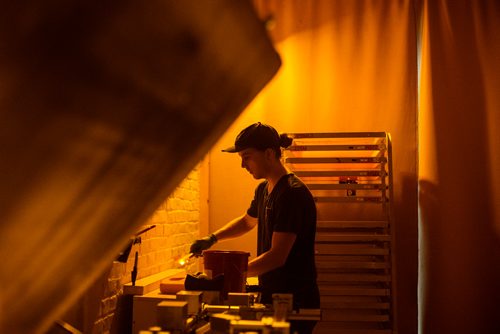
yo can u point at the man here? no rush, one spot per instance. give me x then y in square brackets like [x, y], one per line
[285, 213]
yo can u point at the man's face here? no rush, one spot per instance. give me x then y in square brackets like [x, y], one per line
[254, 161]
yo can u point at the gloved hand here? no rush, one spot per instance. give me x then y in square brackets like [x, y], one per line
[202, 244]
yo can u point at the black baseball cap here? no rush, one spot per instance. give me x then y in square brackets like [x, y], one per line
[258, 135]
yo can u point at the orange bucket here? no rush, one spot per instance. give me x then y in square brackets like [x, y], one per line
[234, 266]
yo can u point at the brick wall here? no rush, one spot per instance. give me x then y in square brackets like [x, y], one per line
[177, 223]
[101, 300]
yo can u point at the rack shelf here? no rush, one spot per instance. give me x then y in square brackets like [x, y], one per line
[350, 177]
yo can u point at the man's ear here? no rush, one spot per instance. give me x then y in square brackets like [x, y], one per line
[270, 154]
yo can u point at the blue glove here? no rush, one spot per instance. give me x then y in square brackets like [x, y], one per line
[202, 244]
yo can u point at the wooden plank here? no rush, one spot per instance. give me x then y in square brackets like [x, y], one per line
[362, 277]
[335, 186]
[353, 299]
[349, 258]
[334, 160]
[346, 249]
[352, 291]
[358, 147]
[341, 315]
[353, 325]
[310, 135]
[354, 305]
[336, 237]
[334, 173]
[326, 328]
[351, 265]
[352, 199]
[352, 224]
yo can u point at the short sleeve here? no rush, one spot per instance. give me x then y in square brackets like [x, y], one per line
[253, 210]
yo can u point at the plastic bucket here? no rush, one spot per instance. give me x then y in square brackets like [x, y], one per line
[233, 264]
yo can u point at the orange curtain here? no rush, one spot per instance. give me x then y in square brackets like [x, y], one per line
[459, 169]
[347, 66]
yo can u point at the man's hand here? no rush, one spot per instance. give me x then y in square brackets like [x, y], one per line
[202, 244]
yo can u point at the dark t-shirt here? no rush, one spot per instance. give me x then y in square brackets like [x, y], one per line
[289, 208]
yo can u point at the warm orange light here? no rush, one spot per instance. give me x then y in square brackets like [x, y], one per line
[183, 261]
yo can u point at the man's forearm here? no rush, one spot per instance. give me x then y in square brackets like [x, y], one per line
[234, 228]
[262, 264]
[281, 244]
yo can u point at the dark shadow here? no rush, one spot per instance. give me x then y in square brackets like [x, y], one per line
[460, 249]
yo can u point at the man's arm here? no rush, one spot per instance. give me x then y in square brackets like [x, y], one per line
[236, 227]
[281, 244]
